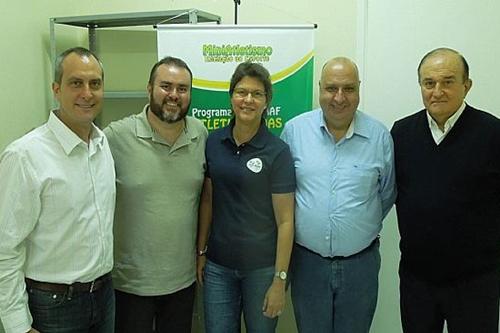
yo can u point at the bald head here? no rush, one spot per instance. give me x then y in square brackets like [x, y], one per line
[448, 53]
[340, 63]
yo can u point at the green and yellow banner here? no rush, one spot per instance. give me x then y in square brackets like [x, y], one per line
[213, 52]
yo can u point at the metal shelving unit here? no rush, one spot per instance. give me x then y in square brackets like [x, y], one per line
[94, 22]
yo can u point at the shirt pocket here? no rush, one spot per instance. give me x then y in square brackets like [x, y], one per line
[358, 182]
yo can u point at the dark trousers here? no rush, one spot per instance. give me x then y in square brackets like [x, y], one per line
[73, 312]
[468, 306]
[170, 313]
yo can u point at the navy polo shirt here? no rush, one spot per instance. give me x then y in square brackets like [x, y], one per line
[244, 232]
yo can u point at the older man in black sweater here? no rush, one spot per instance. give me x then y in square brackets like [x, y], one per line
[448, 177]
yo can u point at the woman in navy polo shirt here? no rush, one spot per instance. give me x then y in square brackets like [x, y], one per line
[246, 227]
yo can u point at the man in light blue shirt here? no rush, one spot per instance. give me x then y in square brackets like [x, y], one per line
[345, 187]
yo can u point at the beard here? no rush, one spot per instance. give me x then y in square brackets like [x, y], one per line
[167, 116]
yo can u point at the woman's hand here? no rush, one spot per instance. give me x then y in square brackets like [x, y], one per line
[274, 301]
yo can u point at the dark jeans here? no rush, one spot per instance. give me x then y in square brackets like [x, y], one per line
[334, 295]
[170, 313]
[468, 306]
[76, 312]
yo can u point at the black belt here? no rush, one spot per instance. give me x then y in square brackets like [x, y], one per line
[74, 287]
[375, 241]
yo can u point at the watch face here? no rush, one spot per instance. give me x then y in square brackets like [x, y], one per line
[282, 275]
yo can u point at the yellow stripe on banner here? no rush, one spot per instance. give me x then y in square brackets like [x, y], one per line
[288, 71]
[224, 85]
[219, 85]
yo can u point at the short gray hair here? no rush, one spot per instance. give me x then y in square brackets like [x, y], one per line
[82, 52]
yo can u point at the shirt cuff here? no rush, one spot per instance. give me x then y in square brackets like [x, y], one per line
[17, 321]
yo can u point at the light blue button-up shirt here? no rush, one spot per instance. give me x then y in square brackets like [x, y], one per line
[345, 188]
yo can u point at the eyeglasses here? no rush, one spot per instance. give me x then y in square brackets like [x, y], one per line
[243, 93]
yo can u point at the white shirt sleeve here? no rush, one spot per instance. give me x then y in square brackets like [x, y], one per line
[19, 210]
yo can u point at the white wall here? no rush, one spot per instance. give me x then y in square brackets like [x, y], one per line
[399, 33]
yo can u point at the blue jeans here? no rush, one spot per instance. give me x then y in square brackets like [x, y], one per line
[79, 312]
[334, 295]
[229, 292]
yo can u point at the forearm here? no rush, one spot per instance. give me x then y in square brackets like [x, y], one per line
[284, 207]
[204, 215]
[274, 301]
[284, 245]
[204, 224]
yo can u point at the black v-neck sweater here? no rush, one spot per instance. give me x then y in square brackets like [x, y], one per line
[448, 204]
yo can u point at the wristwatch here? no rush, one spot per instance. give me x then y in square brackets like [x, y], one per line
[282, 275]
[203, 252]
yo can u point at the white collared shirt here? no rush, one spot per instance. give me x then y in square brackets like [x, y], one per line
[439, 135]
[57, 203]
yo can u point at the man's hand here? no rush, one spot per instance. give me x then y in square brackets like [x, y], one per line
[32, 330]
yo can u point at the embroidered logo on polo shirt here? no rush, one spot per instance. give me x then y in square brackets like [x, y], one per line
[255, 165]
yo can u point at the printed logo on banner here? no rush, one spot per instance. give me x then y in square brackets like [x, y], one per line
[236, 53]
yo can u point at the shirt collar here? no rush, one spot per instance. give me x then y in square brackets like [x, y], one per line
[350, 130]
[143, 128]
[360, 127]
[355, 127]
[449, 123]
[258, 141]
[67, 138]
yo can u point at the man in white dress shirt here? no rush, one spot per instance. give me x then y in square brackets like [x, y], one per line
[56, 212]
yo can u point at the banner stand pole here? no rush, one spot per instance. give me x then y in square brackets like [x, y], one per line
[236, 4]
